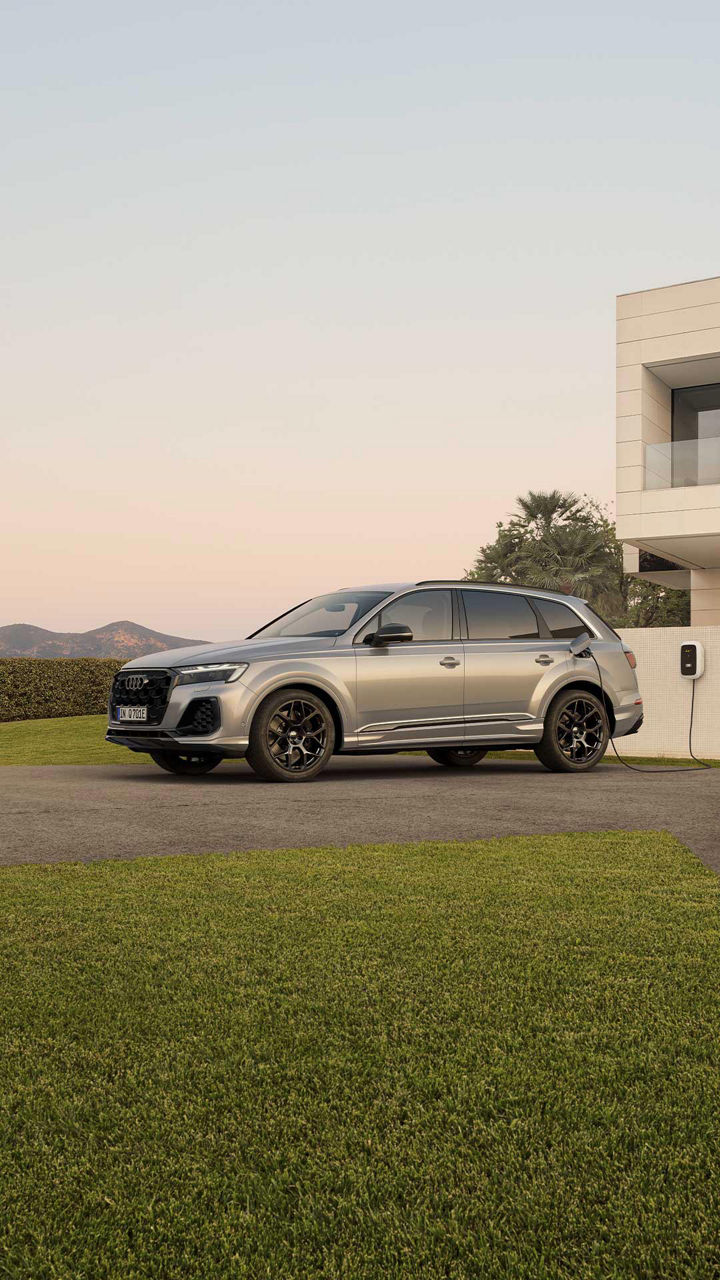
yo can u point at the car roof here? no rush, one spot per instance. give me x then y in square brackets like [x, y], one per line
[466, 582]
[498, 586]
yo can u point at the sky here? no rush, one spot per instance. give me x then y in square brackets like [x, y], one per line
[302, 295]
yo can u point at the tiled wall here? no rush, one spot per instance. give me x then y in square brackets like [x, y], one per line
[666, 694]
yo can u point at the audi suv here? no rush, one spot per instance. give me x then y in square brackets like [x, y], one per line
[455, 669]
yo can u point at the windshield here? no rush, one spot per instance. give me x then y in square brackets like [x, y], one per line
[328, 616]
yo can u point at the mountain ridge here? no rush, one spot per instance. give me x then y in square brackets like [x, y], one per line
[123, 639]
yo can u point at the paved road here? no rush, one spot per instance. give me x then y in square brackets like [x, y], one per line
[61, 814]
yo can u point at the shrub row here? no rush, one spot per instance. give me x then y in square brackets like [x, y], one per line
[36, 688]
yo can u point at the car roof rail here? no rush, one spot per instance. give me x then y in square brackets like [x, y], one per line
[484, 582]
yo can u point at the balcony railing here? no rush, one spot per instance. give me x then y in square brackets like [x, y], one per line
[682, 463]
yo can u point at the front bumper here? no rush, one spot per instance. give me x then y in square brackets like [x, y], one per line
[234, 703]
[159, 740]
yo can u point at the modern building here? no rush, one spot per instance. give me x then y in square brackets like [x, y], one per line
[668, 439]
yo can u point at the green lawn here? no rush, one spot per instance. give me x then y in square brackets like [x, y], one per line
[493, 1060]
[80, 740]
[66, 740]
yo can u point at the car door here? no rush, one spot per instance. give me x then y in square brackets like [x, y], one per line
[412, 692]
[505, 660]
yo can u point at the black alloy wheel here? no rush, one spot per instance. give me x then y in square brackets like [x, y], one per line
[292, 737]
[581, 730]
[576, 733]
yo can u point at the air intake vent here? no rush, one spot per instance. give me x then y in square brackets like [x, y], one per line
[202, 715]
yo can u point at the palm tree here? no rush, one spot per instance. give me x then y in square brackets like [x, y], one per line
[544, 510]
[559, 541]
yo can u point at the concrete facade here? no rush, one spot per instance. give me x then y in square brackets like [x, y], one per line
[668, 338]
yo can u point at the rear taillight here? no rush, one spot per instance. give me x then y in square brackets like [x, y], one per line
[631, 658]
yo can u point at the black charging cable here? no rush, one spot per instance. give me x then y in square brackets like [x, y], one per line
[639, 768]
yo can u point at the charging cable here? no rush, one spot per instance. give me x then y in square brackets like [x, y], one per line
[639, 768]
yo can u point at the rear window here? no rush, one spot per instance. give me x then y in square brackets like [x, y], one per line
[563, 623]
[494, 615]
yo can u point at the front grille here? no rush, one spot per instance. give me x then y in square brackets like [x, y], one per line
[202, 715]
[153, 693]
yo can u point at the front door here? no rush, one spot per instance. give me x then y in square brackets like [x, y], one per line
[505, 660]
[412, 692]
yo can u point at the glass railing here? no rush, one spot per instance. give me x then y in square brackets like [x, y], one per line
[682, 463]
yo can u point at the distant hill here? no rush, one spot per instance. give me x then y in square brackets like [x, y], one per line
[117, 640]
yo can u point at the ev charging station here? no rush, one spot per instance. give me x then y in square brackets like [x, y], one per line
[692, 660]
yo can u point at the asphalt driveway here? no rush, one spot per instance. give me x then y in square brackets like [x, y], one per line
[78, 813]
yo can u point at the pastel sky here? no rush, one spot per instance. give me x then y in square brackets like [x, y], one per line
[301, 294]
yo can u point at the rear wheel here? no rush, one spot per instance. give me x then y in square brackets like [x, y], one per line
[291, 737]
[187, 763]
[576, 733]
[457, 757]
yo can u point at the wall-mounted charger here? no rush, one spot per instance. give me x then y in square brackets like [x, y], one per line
[692, 659]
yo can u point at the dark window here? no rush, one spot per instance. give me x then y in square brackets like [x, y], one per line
[428, 614]
[493, 615]
[562, 622]
[696, 412]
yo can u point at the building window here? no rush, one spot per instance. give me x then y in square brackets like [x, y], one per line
[696, 412]
[696, 435]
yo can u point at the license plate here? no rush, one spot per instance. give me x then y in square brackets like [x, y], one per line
[132, 713]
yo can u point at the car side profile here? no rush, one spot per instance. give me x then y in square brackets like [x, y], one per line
[451, 668]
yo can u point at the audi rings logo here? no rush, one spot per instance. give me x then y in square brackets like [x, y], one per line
[133, 683]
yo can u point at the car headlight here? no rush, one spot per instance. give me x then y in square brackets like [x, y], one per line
[203, 672]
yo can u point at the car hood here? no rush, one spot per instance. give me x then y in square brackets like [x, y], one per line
[239, 651]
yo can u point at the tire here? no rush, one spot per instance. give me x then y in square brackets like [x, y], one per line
[189, 764]
[458, 757]
[292, 737]
[576, 733]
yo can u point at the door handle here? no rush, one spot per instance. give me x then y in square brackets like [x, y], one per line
[545, 660]
[449, 662]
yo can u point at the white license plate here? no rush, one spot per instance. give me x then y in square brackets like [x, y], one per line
[132, 713]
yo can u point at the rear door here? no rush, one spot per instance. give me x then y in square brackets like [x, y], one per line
[505, 660]
[412, 692]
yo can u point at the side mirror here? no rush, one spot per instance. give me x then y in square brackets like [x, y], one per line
[392, 633]
[580, 645]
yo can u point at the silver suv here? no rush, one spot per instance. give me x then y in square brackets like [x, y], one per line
[452, 668]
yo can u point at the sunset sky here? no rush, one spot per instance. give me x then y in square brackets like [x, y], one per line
[301, 295]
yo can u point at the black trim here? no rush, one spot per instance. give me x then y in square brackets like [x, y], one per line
[162, 740]
[543, 628]
[635, 728]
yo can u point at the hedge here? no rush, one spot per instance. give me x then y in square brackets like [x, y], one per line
[40, 688]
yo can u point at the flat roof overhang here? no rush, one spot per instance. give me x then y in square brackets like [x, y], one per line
[689, 552]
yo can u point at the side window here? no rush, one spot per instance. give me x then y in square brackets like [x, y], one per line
[495, 615]
[428, 614]
[562, 622]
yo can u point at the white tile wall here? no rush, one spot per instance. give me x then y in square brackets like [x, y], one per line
[666, 694]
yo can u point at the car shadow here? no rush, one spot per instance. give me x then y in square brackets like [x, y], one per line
[346, 768]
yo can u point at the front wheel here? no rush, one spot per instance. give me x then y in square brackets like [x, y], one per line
[576, 733]
[457, 757]
[189, 764]
[292, 737]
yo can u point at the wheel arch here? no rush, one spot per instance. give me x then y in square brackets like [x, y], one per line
[590, 686]
[320, 692]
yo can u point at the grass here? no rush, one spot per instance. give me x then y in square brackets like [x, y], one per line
[80, 740]
[495, 1059]
[65, 740]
